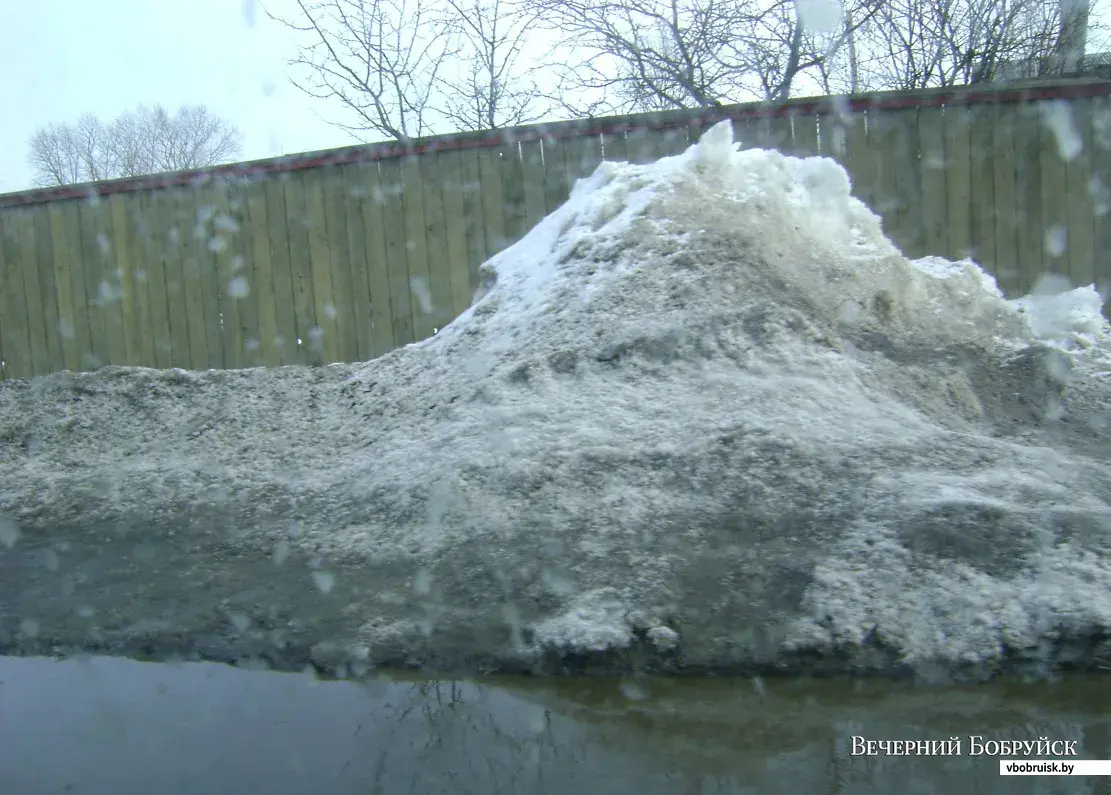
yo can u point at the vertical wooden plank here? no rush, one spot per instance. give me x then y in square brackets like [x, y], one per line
[958, 196]
[1075, 142]
[373, 295]
[581, 157]
[241, 281]
[1054, 201]
[48, 287]
[473, 192]
[931, 176]
[308, 341]
[982, 186]
[18, 360]
[556, 189]
[513, 193]
[336, 201]
[189, 239]
[152, 260]
[614, 148]
[71, 232]
[648, 146]
[804, 136]
[1005, 267]
[849, 140]
[397, 253]
[261, 302]
[455, 231]
[211, 203]
[416, 246]
[98, 290]
[885, 160]
[25, 257]
[284, 345]
[1099, 188]
[532, 171]
[493, 201]
[778, 134]
[143, 272]
[320, 266]
[434, 171]
[355, 251]
[1028, 215]
[906, 180]
[226, 265]
[120, 235]
[171, 234]
[62, 246]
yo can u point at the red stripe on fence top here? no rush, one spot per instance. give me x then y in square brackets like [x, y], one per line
[890, 100]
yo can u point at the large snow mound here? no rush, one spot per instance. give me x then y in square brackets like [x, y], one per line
[704, 416]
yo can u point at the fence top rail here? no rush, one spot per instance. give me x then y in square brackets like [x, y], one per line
[1071, 89]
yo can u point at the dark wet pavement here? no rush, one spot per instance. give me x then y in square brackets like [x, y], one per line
[115, 727]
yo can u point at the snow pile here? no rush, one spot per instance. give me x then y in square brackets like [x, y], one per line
[703, 417]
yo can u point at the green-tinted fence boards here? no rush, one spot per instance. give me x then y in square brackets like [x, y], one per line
[347, 262]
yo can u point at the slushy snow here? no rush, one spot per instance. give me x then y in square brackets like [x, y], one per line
[705, 406]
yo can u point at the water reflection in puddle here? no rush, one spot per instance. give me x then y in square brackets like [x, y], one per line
[114, 727]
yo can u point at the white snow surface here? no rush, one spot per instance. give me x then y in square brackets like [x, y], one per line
[707, 401]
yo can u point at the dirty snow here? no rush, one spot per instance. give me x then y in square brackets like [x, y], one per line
[705, 404]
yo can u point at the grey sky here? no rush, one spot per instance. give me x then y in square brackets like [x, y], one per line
[63, 58]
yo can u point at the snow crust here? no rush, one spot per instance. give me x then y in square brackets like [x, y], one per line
[706, 403]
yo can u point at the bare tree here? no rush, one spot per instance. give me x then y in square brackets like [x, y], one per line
[914, 44]
[657, 54]
[491, 90]
[402, 67]
[145, 141]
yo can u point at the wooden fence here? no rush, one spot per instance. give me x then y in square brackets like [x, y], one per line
[346, 254]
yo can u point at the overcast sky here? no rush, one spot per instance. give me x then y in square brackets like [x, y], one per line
[63, 58]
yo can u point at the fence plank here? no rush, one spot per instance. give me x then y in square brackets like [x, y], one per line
[320, 269]
[1099, 110]
[308, 340]
[931, 175]
[648, 146]
[1081, 208]
[581, 157]
[168, 241]
[393, 224]
[958, 198]
[556, 189]
[532, 173]
[142, 275]
[14, 327]
[129, 296]
[276, 233]
[614, 147]
[48, 287]
[804, 136]
[348, 319]
[227, 262]
[1005, 233]
[513, 194]
[473, 215]
[64, 265]
[260, 304]
[373, 277]
[435, 171]
[98, 290]
[1054, 204]
[420, 290]
[1031, 228]
[493, 202]
[450, 166]
[981, 185]
[887, 156]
